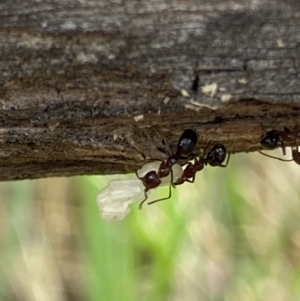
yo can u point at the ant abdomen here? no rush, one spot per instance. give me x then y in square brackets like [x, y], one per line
[270, 140]
[186, 143]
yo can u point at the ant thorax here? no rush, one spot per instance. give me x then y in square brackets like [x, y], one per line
[186, 143]
[154, 166]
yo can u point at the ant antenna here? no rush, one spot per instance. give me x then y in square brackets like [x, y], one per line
[164, 142]
[205, 151]
[166, 149]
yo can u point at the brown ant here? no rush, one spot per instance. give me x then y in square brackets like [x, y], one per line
[151, 175]
[215, 157]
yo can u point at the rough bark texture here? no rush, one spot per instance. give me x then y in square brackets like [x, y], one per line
[82, 82]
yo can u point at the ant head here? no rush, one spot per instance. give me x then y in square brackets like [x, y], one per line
[217, 155]
[187, 142]
[269, 140]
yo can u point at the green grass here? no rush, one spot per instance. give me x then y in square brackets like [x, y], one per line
[15, 206]
[126, 256]
[108, 252]
[232, 235]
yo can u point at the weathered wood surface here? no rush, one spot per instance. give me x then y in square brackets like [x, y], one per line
[81, 81]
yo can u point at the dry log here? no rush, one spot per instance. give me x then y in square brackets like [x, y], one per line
[83, 84]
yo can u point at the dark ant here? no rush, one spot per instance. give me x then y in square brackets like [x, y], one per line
[215, 157]
[270, 140]
[274, 138]
[153, 174]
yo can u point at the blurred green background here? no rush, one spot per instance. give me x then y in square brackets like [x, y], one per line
[232, 235]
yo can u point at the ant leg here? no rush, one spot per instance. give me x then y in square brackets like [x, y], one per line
[296, 154]
[273, 157]
[155, 201]
[164, 142]
[145, 193]
[165, 150]
[225, 165]
[144, 200]
[132, 143]
[206, 148]
[149, 136]
[192, 180]
[191, 156]
[179, 182]
[172, 178]
[249, 141]
[283, 148]
[137, 175]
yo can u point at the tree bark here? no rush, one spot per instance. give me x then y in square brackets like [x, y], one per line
[85, 84]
